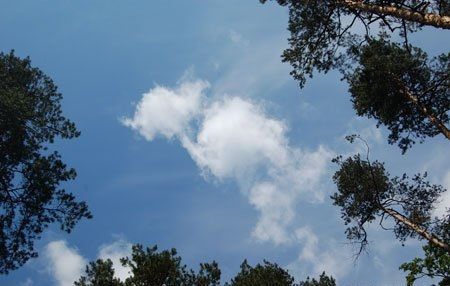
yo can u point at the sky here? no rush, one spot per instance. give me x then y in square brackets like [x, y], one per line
[194, 136]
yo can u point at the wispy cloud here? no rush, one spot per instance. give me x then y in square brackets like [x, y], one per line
[250, 67]
[27, 282]
[322, 255]
[237, 38]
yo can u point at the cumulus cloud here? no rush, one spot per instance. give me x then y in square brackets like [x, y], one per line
[115, 251]
[235, 139]
[65, 264]
[167, 111]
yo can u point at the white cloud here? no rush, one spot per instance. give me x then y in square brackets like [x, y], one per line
[167, 111]
[115, 251]
[236, 139]
[64, 263]
[276, 208]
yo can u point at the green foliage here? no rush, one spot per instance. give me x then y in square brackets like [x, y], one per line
[267, 274]
[99, 273]
[149, 267]
[271, 274]
[324, 280]
[324, 37]
[388, 80]
[366, 192]
[315, 37]
[30, 174]
[436, 263]
[321, 31]
[394, 83]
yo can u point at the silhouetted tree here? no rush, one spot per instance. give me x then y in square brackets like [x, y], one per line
[324, 280]
[401, 88]
[99, 273]
[436, 263]
[150, 267]
[366, 193]
[266, 274]
[30, 173]
[392, 82]
[320, 29]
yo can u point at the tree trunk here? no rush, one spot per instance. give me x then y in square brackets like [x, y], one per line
[436, 122]
[428, 19]
[423, 109]
[418, 229]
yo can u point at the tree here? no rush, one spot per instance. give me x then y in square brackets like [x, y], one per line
[366, 193]
[393, 82]
[401, 88]
[323, 38]
[150, 267]
[271, 274]
[436, 262]
[30, 174]
[324, 280]
[267, 274]
[99, 273]
[319, 29]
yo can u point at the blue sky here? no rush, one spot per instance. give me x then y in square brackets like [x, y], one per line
[194, 136]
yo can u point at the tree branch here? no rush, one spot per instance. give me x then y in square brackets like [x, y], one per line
[428, 19]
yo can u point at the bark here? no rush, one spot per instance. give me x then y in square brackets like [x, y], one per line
[424, 110]
[428, 19]
[418, 229]
[436, 122]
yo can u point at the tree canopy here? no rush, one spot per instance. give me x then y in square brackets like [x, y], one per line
[322, 30]
[367, 193]
[398, 85]
[31, 197]
[150, 267]
[402, 89]
[393, 82]
[262, 274]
